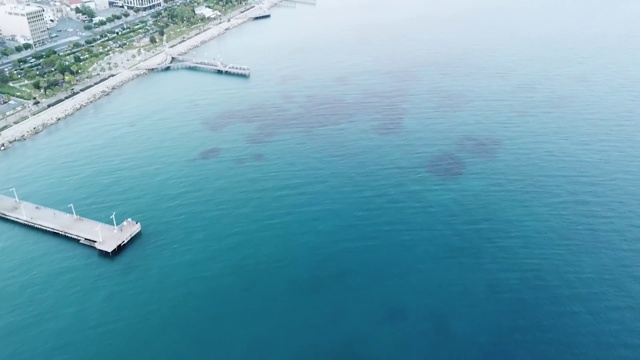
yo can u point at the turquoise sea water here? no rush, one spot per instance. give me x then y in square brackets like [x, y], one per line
[415, 180]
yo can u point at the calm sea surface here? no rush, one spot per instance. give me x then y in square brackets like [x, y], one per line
[397, 180]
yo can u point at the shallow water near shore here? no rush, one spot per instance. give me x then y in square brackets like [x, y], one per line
[423, 182]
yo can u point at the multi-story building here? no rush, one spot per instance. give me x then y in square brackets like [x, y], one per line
[143, 5]
[51, 12]
[24, 23]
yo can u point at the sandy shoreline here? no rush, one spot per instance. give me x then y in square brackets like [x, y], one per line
[37, 123]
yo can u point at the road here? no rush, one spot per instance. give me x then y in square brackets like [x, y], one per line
[65, 23]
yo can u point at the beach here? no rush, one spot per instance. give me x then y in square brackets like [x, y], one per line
[38, 122]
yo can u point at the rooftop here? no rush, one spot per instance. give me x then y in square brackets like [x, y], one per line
[19, 8]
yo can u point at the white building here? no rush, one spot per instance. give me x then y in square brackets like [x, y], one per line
[24, 23]
[206, 12]
[51, 13]
[143, 5]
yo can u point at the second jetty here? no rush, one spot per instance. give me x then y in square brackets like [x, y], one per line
[214, 66]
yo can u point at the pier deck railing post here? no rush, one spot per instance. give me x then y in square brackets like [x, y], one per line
[15, 194]
[115, 227]
[99, 233]
[74, 211]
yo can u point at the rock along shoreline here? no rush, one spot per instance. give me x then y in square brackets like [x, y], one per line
[101, 88]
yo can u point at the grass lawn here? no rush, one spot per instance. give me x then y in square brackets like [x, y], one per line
[234, 8]
[7, 89]
[174, 32]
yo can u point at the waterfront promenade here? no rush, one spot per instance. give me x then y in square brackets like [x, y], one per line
[107, 239]
[37, 123]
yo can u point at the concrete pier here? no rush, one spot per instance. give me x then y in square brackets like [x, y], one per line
[107, 239]
[176, 62]
[292, 3]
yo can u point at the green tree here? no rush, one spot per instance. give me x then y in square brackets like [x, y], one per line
[38, 56]
[19, 48]
[6, 52]
[126, 14]
[69, 79]
[77, 58]
[89, 41]
[27, 46]
[110, 19]
[152, 39]
[88, 26]
[161, 32]
[4, 78]
[62, 67]
[50, 62]
[77, 45]
[116, 16]
[37, 84]
[86, 11]
[51, 83]
[74, 69]
[31, 75]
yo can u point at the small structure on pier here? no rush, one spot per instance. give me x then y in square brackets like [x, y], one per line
[107, 239]
[262, 14]
[292, 3]
[176, 62]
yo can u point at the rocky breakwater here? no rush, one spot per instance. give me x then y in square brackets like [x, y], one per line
[37, 123]
[239, 18]
[205, 36]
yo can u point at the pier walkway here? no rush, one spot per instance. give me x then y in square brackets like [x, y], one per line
[176, 62]
[107, 239]
[292, 3]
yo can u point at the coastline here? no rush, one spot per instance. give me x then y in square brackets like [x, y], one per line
[39, 122]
